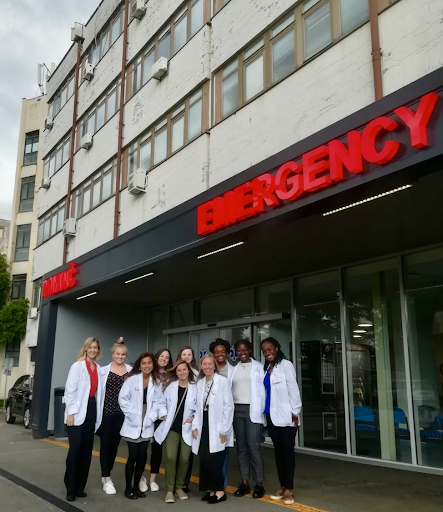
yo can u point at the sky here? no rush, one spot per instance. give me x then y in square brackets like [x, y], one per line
[31, 32]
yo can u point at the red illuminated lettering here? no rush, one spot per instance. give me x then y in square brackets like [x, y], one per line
[370, 134]
[263, 189]
[205, 218]
[313, 165]
[60, 282]
[341, 156]
[289, 181]
[244, 201]
[418, 122]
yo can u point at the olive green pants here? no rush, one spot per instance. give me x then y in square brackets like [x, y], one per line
[175, 473]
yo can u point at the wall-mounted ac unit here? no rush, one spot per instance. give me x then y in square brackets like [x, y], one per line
[160, 68]
[70, 227]
[33, 313]
[46, 182]
[77, 33]
[137, 182]
[89, 71]
[138, 9]
[49, 123]
[86, 141]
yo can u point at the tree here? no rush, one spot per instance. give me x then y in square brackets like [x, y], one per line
[13, 319]
[5, 281]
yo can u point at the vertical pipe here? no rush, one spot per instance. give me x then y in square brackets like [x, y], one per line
[376, 51]
[71, 147]
[120, 120]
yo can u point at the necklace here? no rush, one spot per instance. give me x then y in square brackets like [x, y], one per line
[245, 365]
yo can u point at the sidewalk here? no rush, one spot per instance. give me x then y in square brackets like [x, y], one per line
[321, 484]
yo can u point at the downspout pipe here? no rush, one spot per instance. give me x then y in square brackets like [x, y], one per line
[71, 147]
[120, 121]
[376, 50]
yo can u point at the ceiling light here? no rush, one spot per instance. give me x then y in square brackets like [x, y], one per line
[220, 250]
[357, 336]
[88, 295]
[367, 200]
[359, 330]
[139, 277]
[365, 324]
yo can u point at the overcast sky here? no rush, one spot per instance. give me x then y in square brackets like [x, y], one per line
[31, 32]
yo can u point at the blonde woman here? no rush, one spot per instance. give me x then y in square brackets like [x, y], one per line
[212, 428]
[82, 393]
[110, 416]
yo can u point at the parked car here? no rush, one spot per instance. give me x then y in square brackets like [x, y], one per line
[19, 401]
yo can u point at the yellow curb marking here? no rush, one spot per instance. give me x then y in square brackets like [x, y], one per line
[299, 507]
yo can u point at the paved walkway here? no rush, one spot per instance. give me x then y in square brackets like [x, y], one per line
[31, 480]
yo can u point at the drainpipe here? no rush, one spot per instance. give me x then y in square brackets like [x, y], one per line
[120, 121]
[71, 147]
[376, 51]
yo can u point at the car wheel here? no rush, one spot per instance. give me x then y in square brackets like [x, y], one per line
[27, 417]
[9, 417]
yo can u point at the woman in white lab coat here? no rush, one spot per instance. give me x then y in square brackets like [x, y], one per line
[212, 428]
[138, 401]
[177, 405]
[110, 416]
[82, 392]
[282, 410]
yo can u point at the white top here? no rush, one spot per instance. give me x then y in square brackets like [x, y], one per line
[285, 395]
[241, 384]
[256, 391]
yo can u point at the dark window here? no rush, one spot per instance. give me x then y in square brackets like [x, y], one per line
[13, 351]
[18, 287]
[27, 194]
[33, 354]
[31, 148]
[22, 242]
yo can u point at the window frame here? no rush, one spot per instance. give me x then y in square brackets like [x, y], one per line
[23, 231]
[18, 280]
[31, 138]
[27, 184]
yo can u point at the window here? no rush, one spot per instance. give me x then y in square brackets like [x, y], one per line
[13, 351]
[283, 48]
[254, 77]
[164, 43]
[229, 93]
[180, 30]
[31, 148]
[218, 4]
[317, 26]
[180, 126]
[197, 16]
[51, 222]
[61, 96]
[57, 157]
[27, 194]
[353, 13]
[36, 293]
[22, 242]
[18, 289]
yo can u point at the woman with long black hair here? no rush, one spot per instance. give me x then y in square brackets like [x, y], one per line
[282, 410]
[138, 401]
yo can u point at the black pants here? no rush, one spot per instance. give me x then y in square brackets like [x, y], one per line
[109, 441]
[211, 464]
[81, 441]
[156, 453]
[138, 455]
[283, 439]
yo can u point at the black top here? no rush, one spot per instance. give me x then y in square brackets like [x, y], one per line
[178, 422]
[145, 394]
[113, 387]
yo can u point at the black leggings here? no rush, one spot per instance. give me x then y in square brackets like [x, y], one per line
[138, 455]
[109, 441]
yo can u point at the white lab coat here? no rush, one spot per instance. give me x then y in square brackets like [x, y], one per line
[230, 371]
[220, 414]
[285, 395]
[78, 386]
[104, 373]
[258, 392]
[131, 403]
[167, 405]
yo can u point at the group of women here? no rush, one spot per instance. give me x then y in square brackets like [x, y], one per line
[182, 410]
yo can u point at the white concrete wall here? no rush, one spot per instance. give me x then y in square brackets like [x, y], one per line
[48, 256]
[176, 180]
[411, 40]
[62, 127]
[47, 198]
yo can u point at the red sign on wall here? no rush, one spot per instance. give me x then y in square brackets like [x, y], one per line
[60, 282]
[320, 168]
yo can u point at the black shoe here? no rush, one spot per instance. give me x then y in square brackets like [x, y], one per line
[131, 495]
[70, 497]
[213, 499]
[185, 489]
[206, 496]
[242, 490]
[140, 494]
[81, 494]
[259, 491]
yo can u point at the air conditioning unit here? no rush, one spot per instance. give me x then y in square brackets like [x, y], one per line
[77, 33]
[89, 71]
[70, 227]
[49, 123]
[160, 68]
[138, 9]
[137, 182]
[86, 141]
[33, 313]
[46, 182]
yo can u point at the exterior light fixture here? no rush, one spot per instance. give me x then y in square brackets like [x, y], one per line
[220, 250]
[88, 295]
[139, 277]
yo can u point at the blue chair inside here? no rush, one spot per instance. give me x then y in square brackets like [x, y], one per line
[364, 419]
[400, 419]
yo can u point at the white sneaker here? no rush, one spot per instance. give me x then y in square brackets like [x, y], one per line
[154, 487]
[142, 485]
[109, 488]
[169, 498]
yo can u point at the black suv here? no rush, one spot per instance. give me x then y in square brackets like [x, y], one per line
[19, 400]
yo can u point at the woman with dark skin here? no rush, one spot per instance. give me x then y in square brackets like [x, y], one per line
[282, 409]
